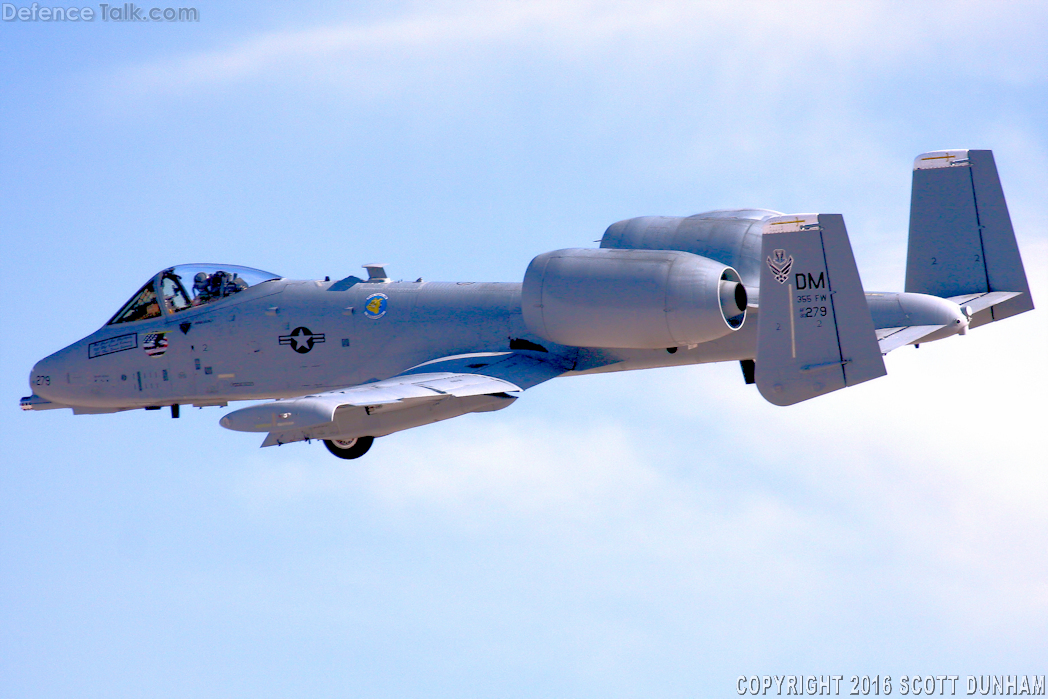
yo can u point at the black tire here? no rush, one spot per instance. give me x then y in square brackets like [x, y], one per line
[349, 448]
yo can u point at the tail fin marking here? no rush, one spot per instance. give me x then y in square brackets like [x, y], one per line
[814, 330]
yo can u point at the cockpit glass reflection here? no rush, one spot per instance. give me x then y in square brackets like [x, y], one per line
[173, 294]
[189, 286]
[142, 305]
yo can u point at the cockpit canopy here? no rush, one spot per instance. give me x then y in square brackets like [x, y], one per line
[181, 288]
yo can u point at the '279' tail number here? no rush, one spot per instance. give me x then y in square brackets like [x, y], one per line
[812, 312]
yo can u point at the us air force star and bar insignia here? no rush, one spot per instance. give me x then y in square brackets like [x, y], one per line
[780, 267]
[375, 306]
[302, 339]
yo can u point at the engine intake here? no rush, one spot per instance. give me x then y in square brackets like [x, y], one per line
[637, 299]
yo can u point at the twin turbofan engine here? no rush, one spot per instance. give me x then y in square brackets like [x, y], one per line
[637, 299]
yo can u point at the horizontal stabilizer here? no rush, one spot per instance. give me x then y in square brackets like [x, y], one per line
[814, 330]
[980, 302]
[893, 338]
[904, 318]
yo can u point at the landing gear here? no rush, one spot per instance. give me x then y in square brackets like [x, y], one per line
[349, 448]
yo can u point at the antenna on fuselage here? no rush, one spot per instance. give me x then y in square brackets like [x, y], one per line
[377, 273]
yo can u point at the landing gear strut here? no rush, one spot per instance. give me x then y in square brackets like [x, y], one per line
[349, 448]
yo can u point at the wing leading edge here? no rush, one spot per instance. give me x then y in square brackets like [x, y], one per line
[430, 392]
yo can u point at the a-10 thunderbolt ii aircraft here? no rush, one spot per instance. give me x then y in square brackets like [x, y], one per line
[350, 360]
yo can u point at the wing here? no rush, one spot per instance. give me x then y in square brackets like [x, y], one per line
[523, 368]
[430, 392]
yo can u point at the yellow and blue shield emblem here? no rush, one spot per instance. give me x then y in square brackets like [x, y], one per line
[375, 306]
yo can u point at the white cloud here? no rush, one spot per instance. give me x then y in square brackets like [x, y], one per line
[922, 488]
[757, 45]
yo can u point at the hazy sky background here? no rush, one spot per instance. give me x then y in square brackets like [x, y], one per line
[651, 534]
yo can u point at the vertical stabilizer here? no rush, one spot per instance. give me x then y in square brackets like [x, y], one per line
[814, 330]
[961, 238]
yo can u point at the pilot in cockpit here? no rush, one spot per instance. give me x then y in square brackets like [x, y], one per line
[236, 284]
[207, 287]
[200, 295]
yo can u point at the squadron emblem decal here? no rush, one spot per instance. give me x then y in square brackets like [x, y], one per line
[302, 339]
[375, 306]
[780, 267]
[155, 344]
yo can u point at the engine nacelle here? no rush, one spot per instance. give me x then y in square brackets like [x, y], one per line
[637, 299]
[732, 237]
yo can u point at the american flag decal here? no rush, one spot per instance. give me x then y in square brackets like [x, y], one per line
[155, 344]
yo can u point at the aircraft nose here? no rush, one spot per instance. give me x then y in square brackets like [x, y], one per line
[46, 377]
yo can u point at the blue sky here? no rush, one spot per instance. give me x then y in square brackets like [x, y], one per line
[645, 534]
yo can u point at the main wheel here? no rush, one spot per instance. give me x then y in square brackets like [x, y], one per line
[349, 448]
